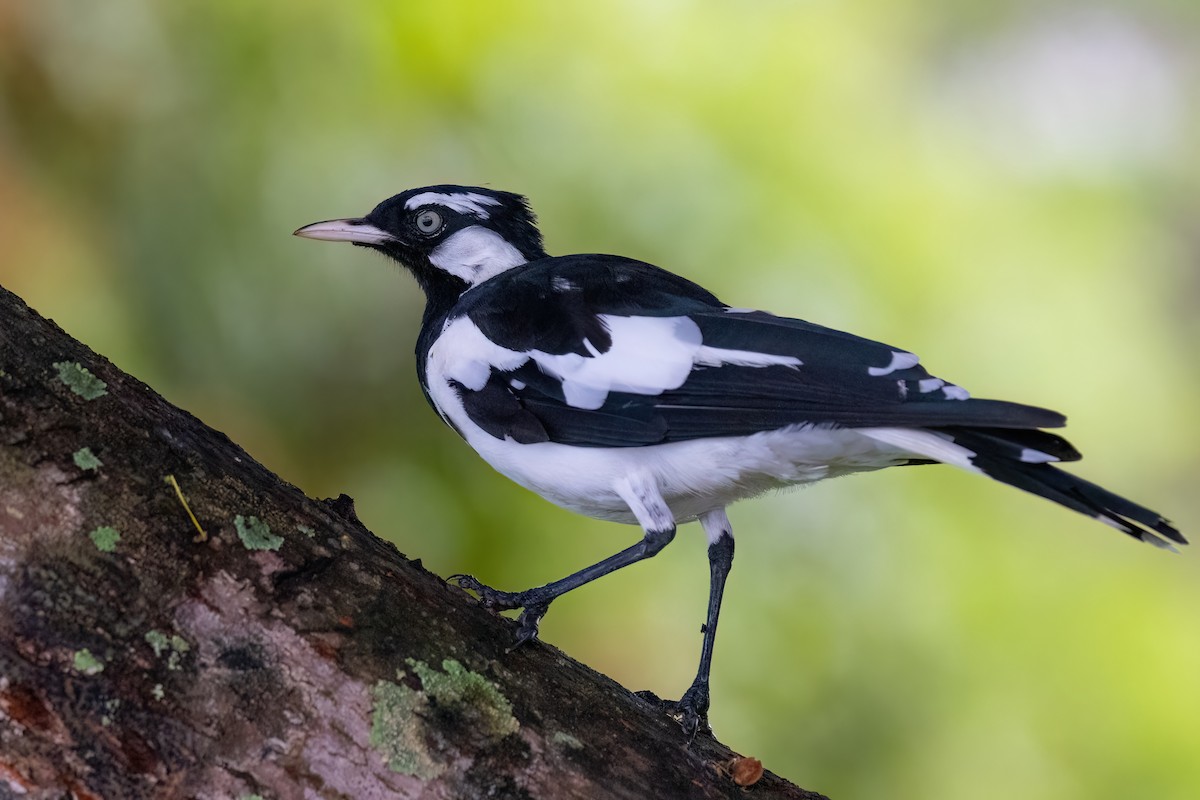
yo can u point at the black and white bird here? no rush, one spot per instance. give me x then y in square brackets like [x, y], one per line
[627, 393]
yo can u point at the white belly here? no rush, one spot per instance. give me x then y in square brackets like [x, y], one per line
[694, 476]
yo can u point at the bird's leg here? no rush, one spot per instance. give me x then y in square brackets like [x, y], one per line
[692, 708]
[534, 602]
[642, 495]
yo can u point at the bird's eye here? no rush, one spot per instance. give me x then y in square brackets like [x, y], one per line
[429, 222]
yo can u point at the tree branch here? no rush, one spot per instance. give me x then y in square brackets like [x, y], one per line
[284, 651]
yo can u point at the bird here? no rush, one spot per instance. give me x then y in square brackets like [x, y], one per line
[624, 392]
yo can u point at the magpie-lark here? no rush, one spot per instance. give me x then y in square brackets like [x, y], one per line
[624, 392]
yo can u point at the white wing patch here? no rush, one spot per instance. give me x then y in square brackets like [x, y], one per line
[718, 357]
[463, 354]
[953, 392]
[462, 202]
[648, 356]
[900, 360]
[475, 254]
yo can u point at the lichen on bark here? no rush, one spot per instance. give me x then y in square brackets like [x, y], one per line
[180, 660]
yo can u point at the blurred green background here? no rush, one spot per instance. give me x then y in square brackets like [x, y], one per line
[1008, 188]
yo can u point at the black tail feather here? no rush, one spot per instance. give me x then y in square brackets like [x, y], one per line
[1020, 445]
[1083, 496]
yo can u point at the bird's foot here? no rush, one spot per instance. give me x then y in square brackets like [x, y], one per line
[692, 710]
[531, 602]
[489, 597]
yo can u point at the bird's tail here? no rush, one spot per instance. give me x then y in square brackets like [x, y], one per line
[1021, 458]
[1024, 458]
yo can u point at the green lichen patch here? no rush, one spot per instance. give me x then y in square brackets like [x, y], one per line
[85, 459]
[157, 640]
[256, 534]
[564, 739]
[157, 692]
[307, 531]
[397, 730]
[105, 538]
[174, 646]
[473, 697]
[87, 663]
[80, 380]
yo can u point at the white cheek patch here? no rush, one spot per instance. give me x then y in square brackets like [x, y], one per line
[475, 254]
[462, 202]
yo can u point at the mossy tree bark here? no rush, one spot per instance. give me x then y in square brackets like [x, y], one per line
[288, 653]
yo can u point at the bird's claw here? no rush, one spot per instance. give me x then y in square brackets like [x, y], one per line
[692, 710]
[532, 609]
[527, 623]
[488, 597]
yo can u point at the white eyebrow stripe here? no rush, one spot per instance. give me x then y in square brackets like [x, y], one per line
[462, 202]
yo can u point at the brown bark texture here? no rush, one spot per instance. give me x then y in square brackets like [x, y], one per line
[285, 653]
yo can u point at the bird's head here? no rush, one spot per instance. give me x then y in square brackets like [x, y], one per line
[450, 237]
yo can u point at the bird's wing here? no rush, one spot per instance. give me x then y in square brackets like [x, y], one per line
[606, 352]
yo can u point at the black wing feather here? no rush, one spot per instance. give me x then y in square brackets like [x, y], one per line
[554, 306]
